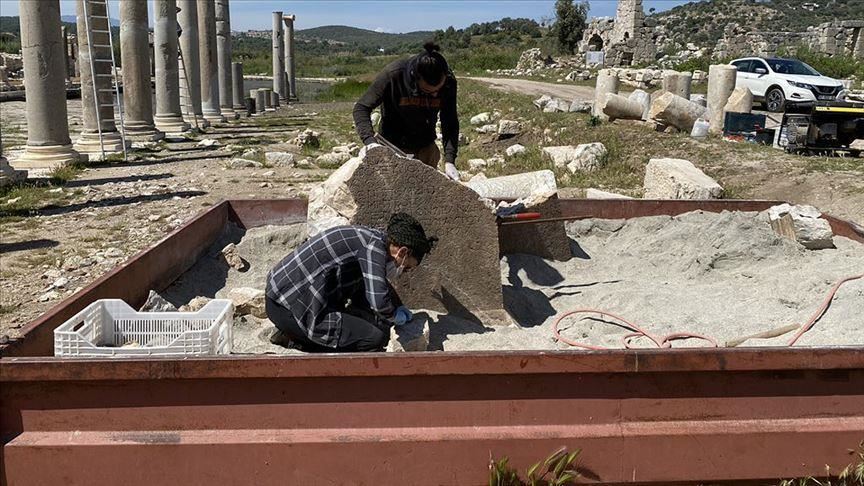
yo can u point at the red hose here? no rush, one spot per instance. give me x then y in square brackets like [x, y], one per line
[666, 341]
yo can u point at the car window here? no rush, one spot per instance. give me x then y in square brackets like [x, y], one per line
[759, 64]
[792, 66]
[743, 66]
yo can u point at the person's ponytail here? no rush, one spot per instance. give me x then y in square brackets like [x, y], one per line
[431, 65]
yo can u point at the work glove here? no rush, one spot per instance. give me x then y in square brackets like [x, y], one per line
[363, 150]
[403, 316]
[450, 170]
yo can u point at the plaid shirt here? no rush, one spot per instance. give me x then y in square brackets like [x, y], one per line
[316, 280]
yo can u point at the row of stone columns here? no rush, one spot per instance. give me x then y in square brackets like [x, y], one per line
[212, 86]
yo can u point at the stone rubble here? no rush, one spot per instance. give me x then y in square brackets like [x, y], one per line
[584, 157]
[803, 224]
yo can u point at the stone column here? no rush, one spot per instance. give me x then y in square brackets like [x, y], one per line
[169, 117]
[260, 96]
[721, 83]
[135, 50]
[104, 94]
[238, 88]
[607, 82]
[279, 56]
[66, 54]
[209, 61]
[48, 141]
[188, 18]
[289, 56]
[678, 83]
[223, 54]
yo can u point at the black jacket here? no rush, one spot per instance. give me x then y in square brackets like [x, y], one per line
[408, 116]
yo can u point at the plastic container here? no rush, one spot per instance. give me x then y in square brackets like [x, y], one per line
[700, 129]
[110, 328]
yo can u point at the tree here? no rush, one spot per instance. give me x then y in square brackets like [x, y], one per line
[569, 24]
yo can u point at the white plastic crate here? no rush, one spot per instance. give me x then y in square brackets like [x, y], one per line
[110, 328]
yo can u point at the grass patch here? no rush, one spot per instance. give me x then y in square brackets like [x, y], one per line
[834, 164]
[348, 90]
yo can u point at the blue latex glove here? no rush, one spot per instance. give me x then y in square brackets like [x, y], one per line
[403, 315]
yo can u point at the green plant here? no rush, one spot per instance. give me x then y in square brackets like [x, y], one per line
[560, 467]
[569, 24]
[852, 475]
[348, 90]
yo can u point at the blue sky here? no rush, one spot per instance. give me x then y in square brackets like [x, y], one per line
[384, 15]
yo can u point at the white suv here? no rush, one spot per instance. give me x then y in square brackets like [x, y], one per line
[777, 82]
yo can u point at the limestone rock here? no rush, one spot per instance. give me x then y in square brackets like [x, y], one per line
[476, 165]
[678, 179]
[592, 193]
[157, 303]
[307, 138]
[740, 101]
[515, 186]
[481, 119]
[508, 128]
[331, 203]
[195, 304]
[857, 144]
[207, 143]
[556, 105]
[644, 100]
[248, 301]
[280, 159]
[410, 337]
[239, 163]
[332, 159]
[541, 102]
[487, 129]
[672, 110]
[515, 150]
[233, 258]
[585, 157]
[802, 224]
[580, 106]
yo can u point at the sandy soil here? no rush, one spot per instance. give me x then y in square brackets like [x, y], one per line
[721, 275]
[568, 92]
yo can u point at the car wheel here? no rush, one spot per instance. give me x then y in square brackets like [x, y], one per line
[775, 100]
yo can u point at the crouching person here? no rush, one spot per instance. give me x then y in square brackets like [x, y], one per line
[334, 292]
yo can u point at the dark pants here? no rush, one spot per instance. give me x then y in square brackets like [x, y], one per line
[358, 334]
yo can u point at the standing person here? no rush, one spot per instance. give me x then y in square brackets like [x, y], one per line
[412, 92]
[333, 293]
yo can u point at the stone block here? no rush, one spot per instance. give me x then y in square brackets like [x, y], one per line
[580, 106]
[410, 337]
[802, 224]
[280, 159]
[515, 150]
[481, 119]
[592, 193]
[672, 110]
[248, 301]
[541, 102]
[509, 128]
[368, 191]
[678, 179]
[585, 157]
[515, 186]
[740, 101]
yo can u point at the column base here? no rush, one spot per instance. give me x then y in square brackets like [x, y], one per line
[143, 133]
[230, 114]
[269, 110]
[202, 122]
[241, 110]
[214, 117]
[88, 143]
[8, 175]
[171, 124]
[48, 156]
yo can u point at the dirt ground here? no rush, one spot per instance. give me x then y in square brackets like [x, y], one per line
[78, 231]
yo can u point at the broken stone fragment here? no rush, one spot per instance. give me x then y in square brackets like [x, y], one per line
[508, 128]
[481, 119]
[239, 163]
[673, 110]
[157, 303]
[248, 301]
[410, 337]
[195, 304]
[556, 105]
[487, 129]
[280, 159]
[541, 102]
[740, 101]
[476, 165]
[678, 179]
[514, 150]
[307, 138]
[585, 157]
[333, 159]
[580, 106]
[232, 257]
[803, 224]
[208, 142]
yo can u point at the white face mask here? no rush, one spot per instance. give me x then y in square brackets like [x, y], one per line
[394, 271]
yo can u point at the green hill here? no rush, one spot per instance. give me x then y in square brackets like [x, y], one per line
[362, 39]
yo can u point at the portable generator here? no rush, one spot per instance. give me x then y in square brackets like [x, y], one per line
[827, 128]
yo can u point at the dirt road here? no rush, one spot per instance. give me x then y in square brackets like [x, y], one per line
[568, 92]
